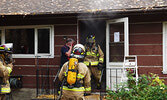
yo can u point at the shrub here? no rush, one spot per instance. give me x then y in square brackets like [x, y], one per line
[148, 87]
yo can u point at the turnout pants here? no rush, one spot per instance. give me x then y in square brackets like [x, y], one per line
[96, 73]
[2, 97]
[72, 95]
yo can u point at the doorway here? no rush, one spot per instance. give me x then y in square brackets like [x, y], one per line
[117, 46]
[97, 28]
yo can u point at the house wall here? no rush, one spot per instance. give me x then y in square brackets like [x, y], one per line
[146, 41]
[63, 26]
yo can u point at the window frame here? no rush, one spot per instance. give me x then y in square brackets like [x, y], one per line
[164, 37]
[36, 54]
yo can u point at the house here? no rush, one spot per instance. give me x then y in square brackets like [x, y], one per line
[37, 29]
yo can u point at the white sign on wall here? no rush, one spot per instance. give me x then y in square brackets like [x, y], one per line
[116, 36]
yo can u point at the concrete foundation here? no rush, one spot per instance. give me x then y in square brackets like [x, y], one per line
[23, 94]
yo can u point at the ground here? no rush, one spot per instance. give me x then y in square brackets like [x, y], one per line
[27, 94]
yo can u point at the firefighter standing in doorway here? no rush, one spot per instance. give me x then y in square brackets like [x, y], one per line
[94, 58]
[76, 76]
[5, 70]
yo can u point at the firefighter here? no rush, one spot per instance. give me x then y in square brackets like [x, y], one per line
[94, 58]
[76, 78]
[5, 70]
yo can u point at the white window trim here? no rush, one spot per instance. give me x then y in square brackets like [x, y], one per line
[51, 27]
[126, 40]
[164, 47]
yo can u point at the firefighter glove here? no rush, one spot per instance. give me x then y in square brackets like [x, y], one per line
[86, 94]
[100, 66]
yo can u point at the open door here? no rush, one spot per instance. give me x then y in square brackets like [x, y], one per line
[117, 46]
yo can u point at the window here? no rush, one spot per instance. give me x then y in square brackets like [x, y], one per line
[116, 49]
[29, 42]
[22, 39]
[43, 41]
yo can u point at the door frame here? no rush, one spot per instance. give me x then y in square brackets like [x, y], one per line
[126, 39]
[115, 65]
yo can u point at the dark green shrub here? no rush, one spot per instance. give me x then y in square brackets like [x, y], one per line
[148, 88]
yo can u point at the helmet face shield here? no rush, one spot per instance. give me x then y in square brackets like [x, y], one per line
[78, 51]
[90, 40]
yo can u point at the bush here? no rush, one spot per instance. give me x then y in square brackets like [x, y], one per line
[148, 88]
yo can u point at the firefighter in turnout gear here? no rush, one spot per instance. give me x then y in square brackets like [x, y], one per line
[76, 76]
[5, 70]
[94, 58]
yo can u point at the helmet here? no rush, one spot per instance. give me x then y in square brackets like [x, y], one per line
[6, 48]
[78, 51]
[5, 51]
[2, 48]
[90, 40]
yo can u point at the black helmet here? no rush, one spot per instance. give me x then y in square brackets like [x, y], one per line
[90, 40]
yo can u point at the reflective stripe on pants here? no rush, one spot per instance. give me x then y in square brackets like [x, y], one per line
[74, 89]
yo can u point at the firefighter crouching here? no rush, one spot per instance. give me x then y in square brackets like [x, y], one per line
[94, 58]
[76, 75]
[5, 70]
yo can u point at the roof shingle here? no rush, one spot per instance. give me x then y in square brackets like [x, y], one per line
[12, 7]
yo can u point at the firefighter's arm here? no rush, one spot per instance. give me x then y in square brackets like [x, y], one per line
[87, 82]
[101, 54]
[10, 68]
[4, 70]
[62, 71]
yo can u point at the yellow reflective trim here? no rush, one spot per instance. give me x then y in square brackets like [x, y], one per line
[86, 63]
[80, 76]
[88, 53]
[101, 59]
[65, 74]
[92, 63]
[2, 48]
[88, 89]
[5, 90]
[92, 54]
[74, 89]
[95, 63]
[9, 70]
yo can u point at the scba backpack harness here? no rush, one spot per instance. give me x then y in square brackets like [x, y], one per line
[71, 74]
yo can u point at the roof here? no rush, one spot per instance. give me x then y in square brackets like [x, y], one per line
[24, 7]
